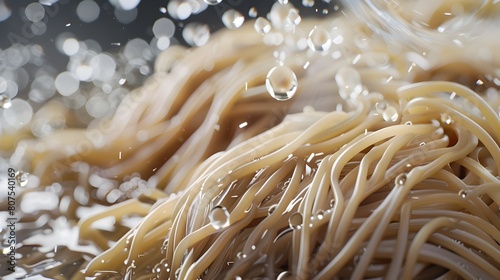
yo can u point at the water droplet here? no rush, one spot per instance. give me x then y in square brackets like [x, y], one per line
[283, 2]
[349, 82]
[319, 39]
[307, 3]
[241, 255]
[272, 208]
[400, 179]
[332, 202]
[22, 178]
[390, 114]
[219, 217]
[294, 17]
[320, 214]
[445, 118]
[253, 247]
[196, 34]
[284, 275]
[5, 101]
[421, 144]
[233, 19]
[212, 2]
[262, 26]
[408, 123]
[462, 193]
[252, 12]
[281, 83]
[295, 221]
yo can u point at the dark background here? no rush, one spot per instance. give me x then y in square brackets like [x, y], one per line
[108, 31]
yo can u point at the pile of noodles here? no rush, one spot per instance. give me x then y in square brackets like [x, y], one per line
[399, 181]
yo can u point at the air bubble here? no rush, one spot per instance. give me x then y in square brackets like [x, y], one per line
[400, 179]
[5, 101]
[233, 19]
[319, 39]
[462, 193]
[262, 26]
[295, 221]
[281, 83]
[349, 82]
[212, 2]
[21, 178]
[219, 217]
[390, 114]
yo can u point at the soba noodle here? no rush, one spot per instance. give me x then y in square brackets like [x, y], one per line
[399, 181]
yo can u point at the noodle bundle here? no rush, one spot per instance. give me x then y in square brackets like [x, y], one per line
[385, 164]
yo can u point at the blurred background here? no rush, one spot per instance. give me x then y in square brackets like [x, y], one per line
[89, 54]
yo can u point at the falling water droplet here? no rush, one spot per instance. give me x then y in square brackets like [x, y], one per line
[390, 114]
[462, 193]
[272, 208]
[212, 2]
[219, 217]
[349, 82]
[262, 26]
[5, 101]
[233, 19]
[295, 221]
[400, 179]
[22, 178]
[319, 39]
[281, 83]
